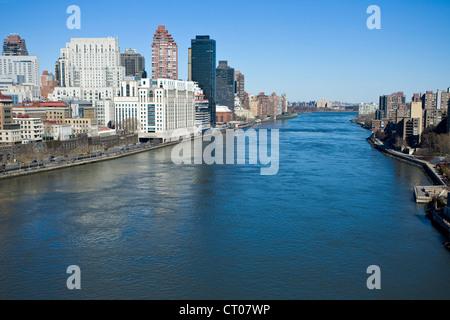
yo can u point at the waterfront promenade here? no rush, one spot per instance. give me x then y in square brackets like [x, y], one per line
[429, 168]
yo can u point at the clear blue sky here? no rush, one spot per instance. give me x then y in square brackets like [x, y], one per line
[308, 49]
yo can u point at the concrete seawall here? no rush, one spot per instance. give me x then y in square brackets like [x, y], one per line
[73, 163]
[81, 162]
[119, 154]
[403, 157]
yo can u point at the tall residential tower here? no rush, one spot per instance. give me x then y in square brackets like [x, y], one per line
[13, 45]
[90, 62]
[239, 80]
[89, 69]
[164, 55]
[225, 85]
[133, 62]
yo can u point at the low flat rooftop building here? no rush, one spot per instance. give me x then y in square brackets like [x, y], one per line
[223, 114]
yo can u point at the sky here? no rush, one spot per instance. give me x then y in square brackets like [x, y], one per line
[310, 49]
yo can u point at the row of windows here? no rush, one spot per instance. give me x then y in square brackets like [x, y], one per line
[77, 122]
[31, 128]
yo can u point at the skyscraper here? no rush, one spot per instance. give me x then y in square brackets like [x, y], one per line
[58, 71]
[89, 69]
[429, 100]
[90, 63]
[390, 103]
[15, 61]
[239, 86]
[225, 85]
[442, 99]
[13, 45]
[133, 62]
[164, 55]
[203, 70]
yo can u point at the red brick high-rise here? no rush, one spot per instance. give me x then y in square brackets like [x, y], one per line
[14, 45]
[48, 84]
[164, 55]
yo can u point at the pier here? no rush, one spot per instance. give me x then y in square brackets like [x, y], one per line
[425, 194]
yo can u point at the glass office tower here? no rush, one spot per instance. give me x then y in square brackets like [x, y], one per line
[225, 85]
[203, 69]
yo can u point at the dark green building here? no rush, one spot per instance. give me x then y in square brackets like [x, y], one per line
[203, 69]
[225, 85]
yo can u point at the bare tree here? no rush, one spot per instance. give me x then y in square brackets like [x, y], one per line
[128, 126]
[399, 143]
[436, 143]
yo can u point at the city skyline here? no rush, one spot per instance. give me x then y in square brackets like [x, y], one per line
[224, 151]
[326, 47]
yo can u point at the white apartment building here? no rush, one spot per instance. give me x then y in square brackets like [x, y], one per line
[20, 93]
[31, 129]
[26, 66]
[91, 63]
[90, 70]
[202, 112]
[60, 132]
[81, 126]
[126, 106]
[8, 137]
[367, 109]
[243, 113]
[101, 99]
[10, 80]
[104, 112]
[78, 93]
[155, 108]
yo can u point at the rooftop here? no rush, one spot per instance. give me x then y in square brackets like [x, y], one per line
[3, 97]
[222, 109]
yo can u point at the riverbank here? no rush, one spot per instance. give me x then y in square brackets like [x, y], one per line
[429, 168]
[439, 214]
[427, 195]
[286, 116]
[361, 123]
[93, 157]
[86, 159]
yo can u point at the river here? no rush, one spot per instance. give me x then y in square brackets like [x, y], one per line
[142, 227]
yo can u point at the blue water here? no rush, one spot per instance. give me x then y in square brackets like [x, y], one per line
[141, 227]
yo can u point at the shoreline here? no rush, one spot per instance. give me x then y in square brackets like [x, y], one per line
[74, 163]
[116, 155]
[438, 221]
[425, 165]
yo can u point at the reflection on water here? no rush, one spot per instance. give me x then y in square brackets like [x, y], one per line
[141, 227]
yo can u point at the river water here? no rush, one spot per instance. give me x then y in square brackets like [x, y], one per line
[141, 227]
